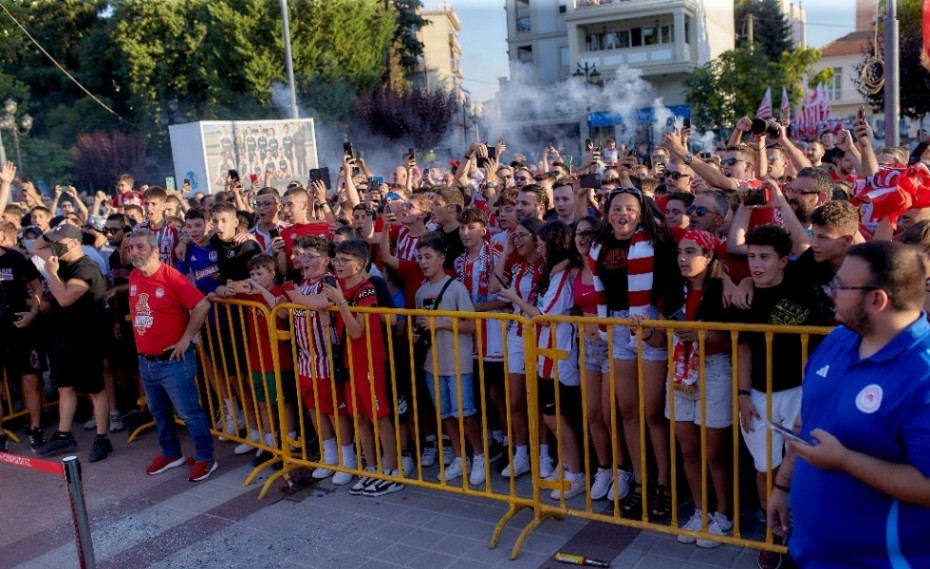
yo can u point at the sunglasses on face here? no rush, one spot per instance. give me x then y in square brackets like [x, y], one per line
[699, 211]
[520, 178]
[677, 175]
[112, 230]
[732, 161]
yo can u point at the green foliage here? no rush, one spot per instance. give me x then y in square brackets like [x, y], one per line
[771, 31]
[732, 85]
[912, 76]
[404, 41]
[42, 159]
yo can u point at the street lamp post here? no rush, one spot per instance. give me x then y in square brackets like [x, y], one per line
[591, 77]
[17, 125]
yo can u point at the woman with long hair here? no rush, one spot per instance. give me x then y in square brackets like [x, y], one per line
[708, 403]
[630, 262]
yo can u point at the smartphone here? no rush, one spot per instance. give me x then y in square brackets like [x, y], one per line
[588, 144]
[788, 434]
[187, 181]
[670, 124]
[492, 153]
[412, 153]
[254, 178]
[169, 183]
[591, 181]
[330, 280]
[234, 175]
[374, 183]
[685, 123]
[860, 114]
[321, 174]
[757, 196]
[347, 149]
[274, 233]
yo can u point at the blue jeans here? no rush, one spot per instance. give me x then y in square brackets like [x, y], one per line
[170, 386]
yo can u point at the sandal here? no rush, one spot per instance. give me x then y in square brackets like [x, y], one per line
[660, 506]
[632, 506]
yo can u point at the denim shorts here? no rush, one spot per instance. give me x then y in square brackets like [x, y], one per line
[596, 357]
[449, 395]
[624, 343]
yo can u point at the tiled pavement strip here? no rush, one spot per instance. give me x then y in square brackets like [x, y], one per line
[167, 522]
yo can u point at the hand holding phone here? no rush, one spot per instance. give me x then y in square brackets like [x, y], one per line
[787, 434]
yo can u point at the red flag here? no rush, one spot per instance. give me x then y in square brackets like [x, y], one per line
[765, 107]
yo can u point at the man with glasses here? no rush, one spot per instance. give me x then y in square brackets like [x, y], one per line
[678, 176]
[267, 225]
[810, 190]
[522, 177]
[505, 175]
[859, 493]
[297, 204]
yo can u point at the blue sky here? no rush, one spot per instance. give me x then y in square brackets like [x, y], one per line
[484, 36]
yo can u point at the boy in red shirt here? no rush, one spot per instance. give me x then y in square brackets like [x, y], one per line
[260, 288]
[367, 390]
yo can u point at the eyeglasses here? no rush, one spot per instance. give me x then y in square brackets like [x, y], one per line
[520, 236]
[732, 161]
[311, 257]
[699, 211]
[343, 260]
[520, 178]
[112, 230]
[835, 286]
[677, 175]
[773, 158]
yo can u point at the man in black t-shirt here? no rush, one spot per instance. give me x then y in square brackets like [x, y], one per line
[76, 326]
[780, 298]
[20, 297]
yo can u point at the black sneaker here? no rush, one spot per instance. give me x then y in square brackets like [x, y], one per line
[36, 439]
[60, 442]
[382, 487]
[631, 507]
[3, 443]
[102, 448]
[495, 451]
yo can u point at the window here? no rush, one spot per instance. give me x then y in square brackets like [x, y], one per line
[525, 54]
[523, 24]
[650, 37]
[623, 38]
[667, 34]
[835, 87]
[687, 28]
[636, 36]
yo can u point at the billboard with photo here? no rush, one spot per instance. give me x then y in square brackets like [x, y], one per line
[205, 152]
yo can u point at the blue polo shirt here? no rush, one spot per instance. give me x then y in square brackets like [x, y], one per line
[879, 406]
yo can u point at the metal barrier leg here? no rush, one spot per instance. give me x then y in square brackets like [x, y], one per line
[143, 427]
[538, 518]
[85, 544]
[12, 436]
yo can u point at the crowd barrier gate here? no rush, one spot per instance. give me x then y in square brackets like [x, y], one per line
[224, 353]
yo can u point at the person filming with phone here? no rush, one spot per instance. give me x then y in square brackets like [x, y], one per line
[858, 487]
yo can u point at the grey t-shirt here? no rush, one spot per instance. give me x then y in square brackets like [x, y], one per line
[456, 298]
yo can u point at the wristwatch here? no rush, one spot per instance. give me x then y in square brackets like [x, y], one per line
[687, 159]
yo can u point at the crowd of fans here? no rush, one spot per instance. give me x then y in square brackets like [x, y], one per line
[752, 233]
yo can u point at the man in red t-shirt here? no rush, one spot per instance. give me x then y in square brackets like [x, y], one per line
[297, 204]
[167, 311]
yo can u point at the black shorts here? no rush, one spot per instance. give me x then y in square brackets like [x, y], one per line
[78, 366]
[493, 373]
[20, 355]
[569, 400]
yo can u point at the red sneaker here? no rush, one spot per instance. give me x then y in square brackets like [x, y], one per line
[163, 463]
[202, 470]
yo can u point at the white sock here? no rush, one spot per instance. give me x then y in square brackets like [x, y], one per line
[348, 455]
[498, 436]
[269, 439]
[431, 439]
[521, 451]
[543, 450]
[329, 449]
[254, 436]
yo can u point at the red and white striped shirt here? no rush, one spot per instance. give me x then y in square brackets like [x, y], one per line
[310, 331]
[558, 301]
[523, 278]
[168, 238]
[405, 244]
[475, 274]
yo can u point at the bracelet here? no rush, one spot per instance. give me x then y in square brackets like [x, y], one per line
[745, 392]
[784, 489]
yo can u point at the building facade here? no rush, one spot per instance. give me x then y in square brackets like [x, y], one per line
[440, 65]
[550, 40]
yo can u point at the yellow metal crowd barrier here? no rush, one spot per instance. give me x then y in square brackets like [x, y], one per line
[8, 410]
[227, 365]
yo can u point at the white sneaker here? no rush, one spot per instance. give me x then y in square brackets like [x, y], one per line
[576, 486]
[624, 481]
[693, 524]
[447, 455]
[321, 473]
[246, 448]
[455, 470]
[90, 425]
[476, 476]
[343, 478]
[717, 524]
[546, 466]
[603, 479]
[519, 467]
[407, 465]
[359, 487]
[429, 454]
[116, 422]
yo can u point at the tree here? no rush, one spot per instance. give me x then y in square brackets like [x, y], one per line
[406, 48]
[414, 117]
[733, 84]
[911, 74]
[100, 158]
[771, 31]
